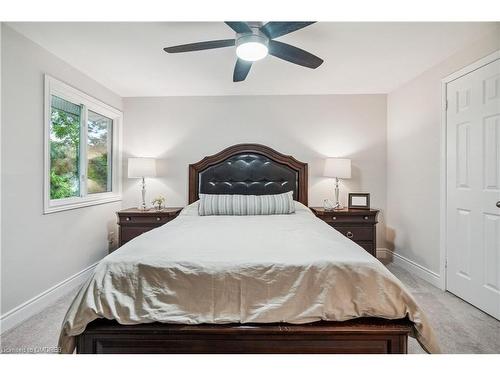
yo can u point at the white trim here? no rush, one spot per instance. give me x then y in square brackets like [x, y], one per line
[61, 89]
[1, 172]
[80, 204]
[45, 299]
[443, 188]
[410, 266]
[471, 67]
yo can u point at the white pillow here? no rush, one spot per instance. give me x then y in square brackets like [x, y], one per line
[234, 204]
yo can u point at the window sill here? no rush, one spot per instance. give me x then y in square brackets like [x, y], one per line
[81, 204]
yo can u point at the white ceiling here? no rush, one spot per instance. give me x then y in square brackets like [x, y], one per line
[360, 58]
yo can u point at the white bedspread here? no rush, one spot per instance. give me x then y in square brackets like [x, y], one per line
[241, 269]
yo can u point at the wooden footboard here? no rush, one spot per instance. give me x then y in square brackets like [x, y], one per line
[365, 335]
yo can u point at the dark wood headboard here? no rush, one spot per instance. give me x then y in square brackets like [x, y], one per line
[248, 169]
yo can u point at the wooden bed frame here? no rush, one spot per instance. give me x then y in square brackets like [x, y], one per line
[363, 335]
[367, 336]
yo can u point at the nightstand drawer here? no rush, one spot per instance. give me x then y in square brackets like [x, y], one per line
[354, 219]
[141, 220]
[357, 233]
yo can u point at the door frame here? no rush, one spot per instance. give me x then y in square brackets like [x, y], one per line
[443, 172]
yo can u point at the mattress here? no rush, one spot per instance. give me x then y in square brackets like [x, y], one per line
[241, 269]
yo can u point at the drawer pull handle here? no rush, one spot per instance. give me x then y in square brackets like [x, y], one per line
[127, 218]
[158, 218]
[349, 235]
[335, 218]
[365, 217]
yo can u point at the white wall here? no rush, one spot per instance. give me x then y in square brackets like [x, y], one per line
[39, 251]
[182, 130]
[413, 158]
[0, 158]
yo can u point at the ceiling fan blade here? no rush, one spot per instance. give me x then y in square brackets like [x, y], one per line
[200, 46]
[276, 29]
[241, 70]
[239, 27]
[293, 54]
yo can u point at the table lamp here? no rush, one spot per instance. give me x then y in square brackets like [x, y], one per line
[142, 168]
[338, 169]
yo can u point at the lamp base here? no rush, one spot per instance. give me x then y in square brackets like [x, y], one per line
[337, 205]
[143, 206]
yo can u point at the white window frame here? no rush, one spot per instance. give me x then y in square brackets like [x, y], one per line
[71, 94]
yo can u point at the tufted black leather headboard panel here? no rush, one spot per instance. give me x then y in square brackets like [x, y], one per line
[248, 174]
[248, 169]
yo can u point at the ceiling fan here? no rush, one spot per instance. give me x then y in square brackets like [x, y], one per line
[253, 42]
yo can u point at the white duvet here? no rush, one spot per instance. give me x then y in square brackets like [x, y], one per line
[241, 269]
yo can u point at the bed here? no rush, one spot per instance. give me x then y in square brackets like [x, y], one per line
[243, 284]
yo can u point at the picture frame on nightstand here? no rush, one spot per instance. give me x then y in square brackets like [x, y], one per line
[359, 201]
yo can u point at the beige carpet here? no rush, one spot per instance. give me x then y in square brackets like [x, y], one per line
[460, 327]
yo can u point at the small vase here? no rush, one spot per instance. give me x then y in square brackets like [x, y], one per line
[327, 205]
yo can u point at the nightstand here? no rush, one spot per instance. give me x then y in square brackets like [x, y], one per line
[133, 222]
[357, 225]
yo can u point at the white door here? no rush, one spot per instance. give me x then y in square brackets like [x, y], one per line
[473, 188]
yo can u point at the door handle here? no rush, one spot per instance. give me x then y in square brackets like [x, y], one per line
[498, 204]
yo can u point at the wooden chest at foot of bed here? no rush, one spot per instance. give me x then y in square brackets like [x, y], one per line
[363, 335]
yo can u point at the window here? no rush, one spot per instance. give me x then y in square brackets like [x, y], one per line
[82, 149]
[99, 153]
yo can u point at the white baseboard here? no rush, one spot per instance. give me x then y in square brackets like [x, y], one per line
[411, 266]
[45, 299]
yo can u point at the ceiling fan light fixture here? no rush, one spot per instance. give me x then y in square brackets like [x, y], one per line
[251, 47]
[254, 41]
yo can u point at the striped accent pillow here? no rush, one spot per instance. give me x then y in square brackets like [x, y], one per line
[228, 204]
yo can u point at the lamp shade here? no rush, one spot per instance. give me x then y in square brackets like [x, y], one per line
[141, 167]
[339, 168]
